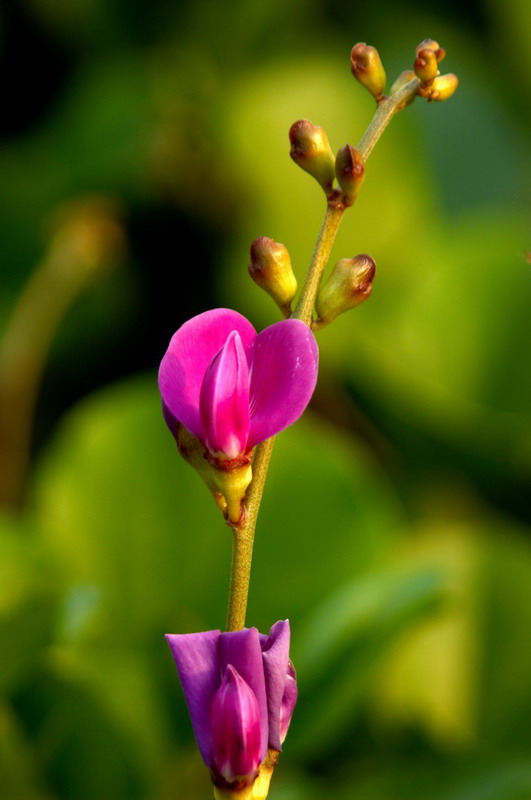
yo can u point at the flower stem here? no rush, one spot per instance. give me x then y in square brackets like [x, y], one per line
[320, 257]
[31, 328]
[387, 108]
[243, 539]
[243, 534]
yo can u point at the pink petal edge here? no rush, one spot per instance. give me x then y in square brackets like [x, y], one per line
[283, 377]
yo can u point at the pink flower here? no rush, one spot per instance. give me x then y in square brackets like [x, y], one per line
[241, 690]
[233, 388]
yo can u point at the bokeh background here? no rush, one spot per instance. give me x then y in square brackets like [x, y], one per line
[142, 147]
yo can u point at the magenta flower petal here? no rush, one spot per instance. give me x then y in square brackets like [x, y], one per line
[283, 377]
[242, 649]
[289, 700]
[236, 732]
[196, 658]
[224, 400]
[275, 654]
[188, 356]
[240, 689]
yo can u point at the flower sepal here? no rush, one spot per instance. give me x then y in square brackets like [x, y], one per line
[259, 789]
[227, 480]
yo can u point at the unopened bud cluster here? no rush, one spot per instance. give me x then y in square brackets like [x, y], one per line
[434, 86]
[368, 69]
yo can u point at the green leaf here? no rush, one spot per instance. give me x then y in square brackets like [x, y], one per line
[342, 642]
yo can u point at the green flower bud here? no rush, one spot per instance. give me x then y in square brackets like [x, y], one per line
[311, 151]
[443, 87]
[227, 480]
[426, 65]
[350, 171]
[349, 284]
[368, 69]
[270, 268]
[431, 44]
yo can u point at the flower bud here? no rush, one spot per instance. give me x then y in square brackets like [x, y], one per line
[349, 284]
[236, 738]
[443, 87]
[368, 69]
[404, 78]
[350, 171]
[311, 151]
[426, 65]
[431, 44]
[270, 268]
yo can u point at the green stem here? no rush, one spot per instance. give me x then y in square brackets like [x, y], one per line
[243, 540]
[320, 257]
[384, 113]
[28, 336]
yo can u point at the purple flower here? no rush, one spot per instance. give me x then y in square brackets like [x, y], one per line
[241, 690]
[233, 388]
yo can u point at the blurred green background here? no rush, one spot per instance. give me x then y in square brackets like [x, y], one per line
[142, 147]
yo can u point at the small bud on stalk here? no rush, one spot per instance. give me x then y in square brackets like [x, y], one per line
[431, 44]
[310, 149]
[270, 268]
[349, 284]
[350, 172]
[442, 88]
[368, 69]
[426, 65]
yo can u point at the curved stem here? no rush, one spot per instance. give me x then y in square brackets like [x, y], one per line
[384, 113]
[243, 534]
[30, 331]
